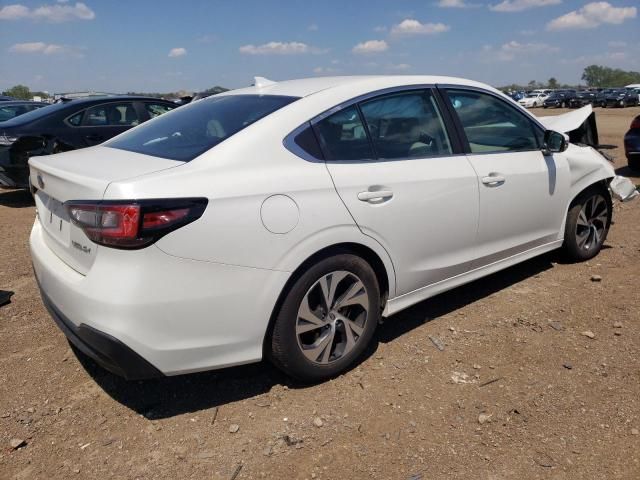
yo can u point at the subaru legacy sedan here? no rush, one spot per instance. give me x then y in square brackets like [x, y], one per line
[282, 221]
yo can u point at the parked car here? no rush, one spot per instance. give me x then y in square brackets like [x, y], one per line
[622, 97]
[632, 145]
[559, 99]
[582, 99]
[296, 214]
[517, 96]
[5, 98]
[9, 110]
[67, 126]
[533, 100]
[601, 97]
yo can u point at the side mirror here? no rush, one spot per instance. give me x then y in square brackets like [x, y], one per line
[554, 142]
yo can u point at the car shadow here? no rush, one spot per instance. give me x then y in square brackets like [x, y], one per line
[625, 171]
[16, 199]
[170, 396]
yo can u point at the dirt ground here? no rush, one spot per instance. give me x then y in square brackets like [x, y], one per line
[519, 391]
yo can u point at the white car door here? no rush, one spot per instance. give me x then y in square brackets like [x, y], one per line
[523, 193]
[393, 165]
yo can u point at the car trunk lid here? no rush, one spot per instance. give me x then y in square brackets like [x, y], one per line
[81, 175]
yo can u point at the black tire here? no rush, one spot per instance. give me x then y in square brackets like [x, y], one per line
[634, 163]
[575, 229]
[286, 352]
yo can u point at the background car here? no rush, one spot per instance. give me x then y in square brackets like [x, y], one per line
[68, 125]
[622, 97]
[582, 99]
[632, 145]
[559, 99]
[9, 110]
[533, 100]
[6, 98]
[295, 214]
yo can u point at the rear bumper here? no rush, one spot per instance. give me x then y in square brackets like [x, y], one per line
[147, 307]
[107, 351]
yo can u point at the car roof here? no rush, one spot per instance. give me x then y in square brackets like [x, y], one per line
[115, 98]
[308, 86]
[21, 102]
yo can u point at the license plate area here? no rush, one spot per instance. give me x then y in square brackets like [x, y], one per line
[53, 217]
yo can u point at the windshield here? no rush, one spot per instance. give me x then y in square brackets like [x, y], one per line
[189, 131]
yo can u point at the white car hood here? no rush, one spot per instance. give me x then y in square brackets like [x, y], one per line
[567, 121]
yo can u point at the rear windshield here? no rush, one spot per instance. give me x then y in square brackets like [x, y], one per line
[189, 131]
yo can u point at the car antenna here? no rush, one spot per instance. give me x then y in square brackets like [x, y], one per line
[262, 82]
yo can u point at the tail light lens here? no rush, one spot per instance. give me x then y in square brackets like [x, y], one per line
[133, 224]
[635, 123]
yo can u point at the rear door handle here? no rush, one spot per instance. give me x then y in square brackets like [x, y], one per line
[373, 196]
[494, 180]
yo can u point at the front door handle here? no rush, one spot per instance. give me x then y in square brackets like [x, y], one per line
[375, 196]
[494, 180]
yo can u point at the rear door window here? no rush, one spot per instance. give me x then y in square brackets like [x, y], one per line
[111, 114]
[343, 136]
[189, 131]
[406, 125]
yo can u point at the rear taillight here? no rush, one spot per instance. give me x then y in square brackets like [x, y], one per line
[133, 224]
[635, 123]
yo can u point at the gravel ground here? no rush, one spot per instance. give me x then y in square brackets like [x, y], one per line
[539, 377]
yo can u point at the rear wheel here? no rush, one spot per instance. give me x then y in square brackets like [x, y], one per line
[634, 163]
[588, 223]
[327, 319]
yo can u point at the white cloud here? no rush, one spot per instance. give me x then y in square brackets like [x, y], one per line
[279, 48]
[513, 50]
[370, 46]
[593, 15]
[454, 4]
[177, 52]
[45, 49]
[410, 26]
[324, 70]
[519, 5]
[399, 66]
[49, 13]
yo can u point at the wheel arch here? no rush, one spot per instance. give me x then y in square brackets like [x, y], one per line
[386, 278]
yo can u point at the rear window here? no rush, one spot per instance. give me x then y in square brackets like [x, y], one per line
[187, 132]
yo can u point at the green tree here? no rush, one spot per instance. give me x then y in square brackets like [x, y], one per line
[552, 83]
[600, 76]
[19, 91]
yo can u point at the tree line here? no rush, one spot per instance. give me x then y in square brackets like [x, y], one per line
[593, 76]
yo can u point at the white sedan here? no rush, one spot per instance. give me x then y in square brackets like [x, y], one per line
[533, 100]
[285, 219]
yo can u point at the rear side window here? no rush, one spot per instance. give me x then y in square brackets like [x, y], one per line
[406, 125]
[491, 125]
[344, 137]
[189, 131]
[111, 115]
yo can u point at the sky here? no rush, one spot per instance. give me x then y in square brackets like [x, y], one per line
[164, 46]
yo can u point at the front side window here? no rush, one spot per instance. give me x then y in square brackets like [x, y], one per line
[491, 125]
[156, 109]
[112, 115]
[344, 137]
[186, 132]
[406, 125]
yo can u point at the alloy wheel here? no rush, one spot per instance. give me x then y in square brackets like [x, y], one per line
[332, 317]
[592, 223]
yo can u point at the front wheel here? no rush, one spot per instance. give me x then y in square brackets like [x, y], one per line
[588, 224]
[327, 319]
